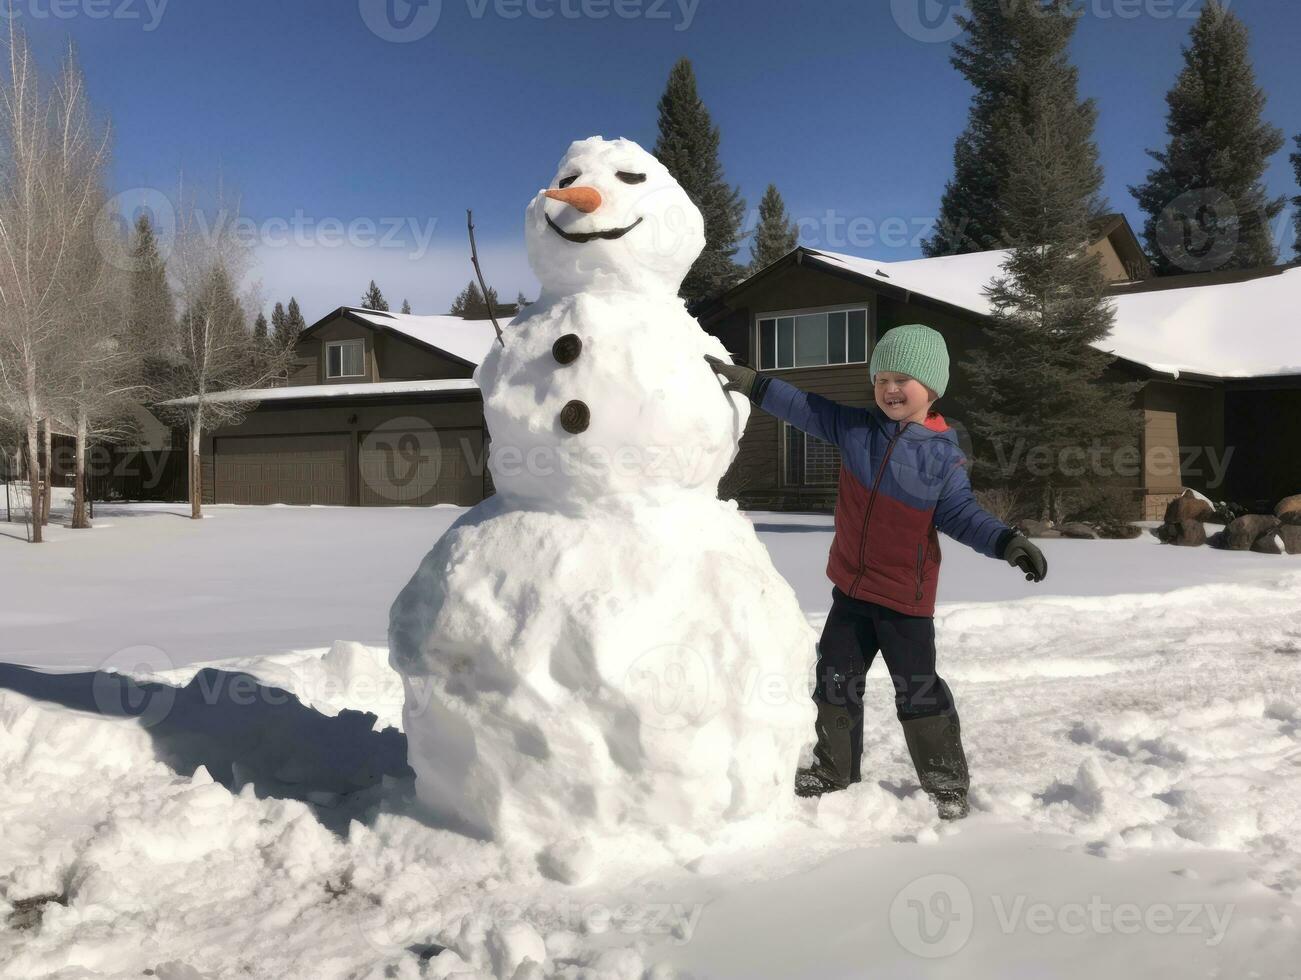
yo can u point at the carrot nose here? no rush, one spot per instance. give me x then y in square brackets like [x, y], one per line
[585, 199]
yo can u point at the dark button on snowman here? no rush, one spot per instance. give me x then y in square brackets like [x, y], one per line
[567, 348]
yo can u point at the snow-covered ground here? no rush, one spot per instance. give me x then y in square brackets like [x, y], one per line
[1133, 727]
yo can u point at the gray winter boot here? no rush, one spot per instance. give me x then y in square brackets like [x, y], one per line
[836, 754]
[935, 744]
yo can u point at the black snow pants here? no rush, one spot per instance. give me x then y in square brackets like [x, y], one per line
[854, 632]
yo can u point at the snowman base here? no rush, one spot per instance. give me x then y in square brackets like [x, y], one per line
[632, 669]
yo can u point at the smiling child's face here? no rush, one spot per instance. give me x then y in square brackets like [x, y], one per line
[902, 398]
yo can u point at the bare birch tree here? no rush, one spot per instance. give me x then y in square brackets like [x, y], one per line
[95, 365]
[39, 224]
[213, 348]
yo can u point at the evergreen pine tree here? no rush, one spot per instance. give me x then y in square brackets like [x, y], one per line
[406, 306]
[1296, 165]
[1206, 202]
[688, 146]
[217, 311]
[294, 322]
[151, 312]
[470, 303]
[971, 218]
[279, 325]
[1040, 402]
[374, 299]
[520, 300]
[260, 327]
[776, 234]
[467, 298]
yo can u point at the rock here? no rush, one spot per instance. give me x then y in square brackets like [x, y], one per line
[1289, 509]
[1246, 530]
[1188, 534]
[1291, 535]
[1077, 529]
[1226, 513]
[1119, 530]
[1187, 507]
[1268, 544]
[1038, 529]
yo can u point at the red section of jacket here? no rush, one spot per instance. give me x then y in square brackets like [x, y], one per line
[884, 550]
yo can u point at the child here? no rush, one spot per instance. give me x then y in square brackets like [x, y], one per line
[902, 476]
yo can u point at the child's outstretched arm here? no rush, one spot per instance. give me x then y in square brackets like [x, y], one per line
[960, 516]
[819, 417]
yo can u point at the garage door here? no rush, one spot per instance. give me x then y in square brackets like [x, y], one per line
[300, 469]
[420, 466]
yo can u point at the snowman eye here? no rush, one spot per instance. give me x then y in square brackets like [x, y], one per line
[568, 180]
[630, 178]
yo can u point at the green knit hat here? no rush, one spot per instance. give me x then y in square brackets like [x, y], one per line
[916, 351]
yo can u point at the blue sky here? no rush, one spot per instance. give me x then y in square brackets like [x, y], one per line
[357, 154]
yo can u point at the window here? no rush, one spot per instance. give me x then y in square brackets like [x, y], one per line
[810, 462]
[345, 359]
[813, 339]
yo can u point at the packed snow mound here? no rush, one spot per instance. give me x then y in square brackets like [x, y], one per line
[657, 414]
[576, 677]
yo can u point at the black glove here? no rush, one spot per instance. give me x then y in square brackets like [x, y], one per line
[739, 378]
[1021, 553]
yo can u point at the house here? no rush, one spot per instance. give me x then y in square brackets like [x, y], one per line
[1220, 355]
[379, 409]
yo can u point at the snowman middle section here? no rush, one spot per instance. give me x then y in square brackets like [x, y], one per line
[607, 393]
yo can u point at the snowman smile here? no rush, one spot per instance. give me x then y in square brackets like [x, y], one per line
[583, 237]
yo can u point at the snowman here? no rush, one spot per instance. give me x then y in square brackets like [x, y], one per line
[603, 649]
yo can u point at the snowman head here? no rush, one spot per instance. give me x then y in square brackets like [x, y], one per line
[613, 219]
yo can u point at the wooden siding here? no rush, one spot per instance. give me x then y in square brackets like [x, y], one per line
[389, 356]
[397, 359]
[1183, 439]
[341, 328]
[1161, 451]
[1112, 265]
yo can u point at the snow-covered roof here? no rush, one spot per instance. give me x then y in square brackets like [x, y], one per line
[359, 389]
[469, 340]
[1231, 330]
